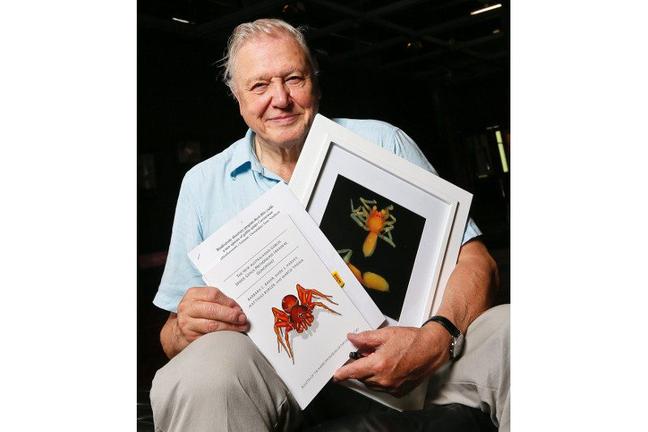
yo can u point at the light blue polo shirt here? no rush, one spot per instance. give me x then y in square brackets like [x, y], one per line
[216, 189]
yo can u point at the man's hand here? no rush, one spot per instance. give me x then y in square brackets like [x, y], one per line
[396, 359]
[399, 358]
[202, 310]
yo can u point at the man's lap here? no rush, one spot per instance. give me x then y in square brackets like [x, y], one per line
[211, 364]
[221, 379]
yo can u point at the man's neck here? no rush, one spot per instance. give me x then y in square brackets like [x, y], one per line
[279, 160]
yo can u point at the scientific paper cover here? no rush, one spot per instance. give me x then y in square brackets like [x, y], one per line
[300, 297]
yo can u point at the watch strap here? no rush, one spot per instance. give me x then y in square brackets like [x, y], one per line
[456, 346]
[446, 323]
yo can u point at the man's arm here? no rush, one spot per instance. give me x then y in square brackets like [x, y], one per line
[471, 287]
[399, 358]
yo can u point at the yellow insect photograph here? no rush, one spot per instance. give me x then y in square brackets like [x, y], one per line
[377, 238]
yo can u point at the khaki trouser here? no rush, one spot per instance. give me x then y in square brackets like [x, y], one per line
[221, 382]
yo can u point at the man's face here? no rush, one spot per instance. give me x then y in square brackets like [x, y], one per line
[275, 90]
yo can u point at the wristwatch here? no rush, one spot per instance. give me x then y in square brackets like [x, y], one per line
[457, 344]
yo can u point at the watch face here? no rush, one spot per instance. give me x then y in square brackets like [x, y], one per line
[457, 346]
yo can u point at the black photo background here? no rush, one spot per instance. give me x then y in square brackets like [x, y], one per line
[393, 263]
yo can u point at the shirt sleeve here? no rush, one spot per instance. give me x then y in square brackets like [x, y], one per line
[405, 147]
[179, 272]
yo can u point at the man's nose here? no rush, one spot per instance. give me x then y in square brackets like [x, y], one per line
[280, 95]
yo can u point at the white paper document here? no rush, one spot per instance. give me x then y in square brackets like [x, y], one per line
[299, 296]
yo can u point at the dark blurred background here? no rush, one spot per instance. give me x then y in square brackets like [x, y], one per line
[436, 69]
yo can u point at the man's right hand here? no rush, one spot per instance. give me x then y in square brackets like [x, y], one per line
[202, 310]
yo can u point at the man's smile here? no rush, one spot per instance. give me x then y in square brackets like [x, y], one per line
[284, 119]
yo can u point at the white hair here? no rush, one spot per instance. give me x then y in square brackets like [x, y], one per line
[269, 26]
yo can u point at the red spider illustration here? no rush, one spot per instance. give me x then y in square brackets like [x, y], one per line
[296, 316]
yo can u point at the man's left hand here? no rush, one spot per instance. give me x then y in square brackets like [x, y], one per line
[396, 359]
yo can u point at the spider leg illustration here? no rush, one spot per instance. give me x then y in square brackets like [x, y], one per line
[306, 297]
[282, 329]
[322, 305]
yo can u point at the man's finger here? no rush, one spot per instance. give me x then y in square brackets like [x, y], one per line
[212, 294]
[217, 312]
[367, 340]
[359, 369]
[204, 326]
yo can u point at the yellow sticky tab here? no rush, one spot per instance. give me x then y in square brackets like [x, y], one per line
[338, 279]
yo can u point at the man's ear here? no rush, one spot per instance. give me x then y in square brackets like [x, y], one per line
[240, 107]
[317, 92]
[236, 98]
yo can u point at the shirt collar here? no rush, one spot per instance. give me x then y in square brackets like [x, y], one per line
[244, 157]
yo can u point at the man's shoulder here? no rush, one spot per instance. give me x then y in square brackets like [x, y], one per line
[379, 132]
[366, 126]
[390, 138]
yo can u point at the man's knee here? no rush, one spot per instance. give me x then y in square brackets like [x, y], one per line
[209, 367]
[487, 348]
[493, 324]
[491, 344]
[222, 380]
[480, 377]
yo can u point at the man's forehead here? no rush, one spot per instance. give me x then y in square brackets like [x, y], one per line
[265, 51]
[265, 74]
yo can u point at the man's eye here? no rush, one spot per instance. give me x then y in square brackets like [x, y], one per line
[293, 80]
[259, 87]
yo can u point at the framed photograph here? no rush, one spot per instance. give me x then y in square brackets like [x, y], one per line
[397, 226]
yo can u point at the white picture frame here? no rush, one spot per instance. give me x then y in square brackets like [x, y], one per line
[332, 151]
[335, 162]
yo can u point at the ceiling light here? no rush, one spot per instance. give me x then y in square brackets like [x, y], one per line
[183, 21]
[486, 9]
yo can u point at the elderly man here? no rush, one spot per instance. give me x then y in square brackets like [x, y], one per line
[216, 379]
